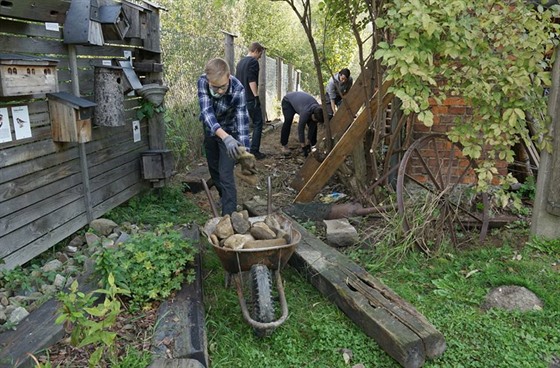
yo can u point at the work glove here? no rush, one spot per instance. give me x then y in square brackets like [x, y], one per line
[233, 147]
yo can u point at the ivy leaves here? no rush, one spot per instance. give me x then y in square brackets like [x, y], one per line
[491, 53]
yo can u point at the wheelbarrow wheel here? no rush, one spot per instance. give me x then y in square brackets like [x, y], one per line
[261, 292]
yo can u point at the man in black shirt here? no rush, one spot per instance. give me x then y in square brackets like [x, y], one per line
[248, 74]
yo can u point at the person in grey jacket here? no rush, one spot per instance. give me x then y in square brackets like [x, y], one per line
[338, 85]
[310, 113]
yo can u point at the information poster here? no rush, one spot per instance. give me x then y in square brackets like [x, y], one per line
[136, 131]
[5, 134]
[22, 125]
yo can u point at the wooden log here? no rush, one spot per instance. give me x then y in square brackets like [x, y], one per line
[404, 333]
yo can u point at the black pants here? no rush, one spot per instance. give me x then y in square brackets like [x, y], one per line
[289, 112]
[221, 167]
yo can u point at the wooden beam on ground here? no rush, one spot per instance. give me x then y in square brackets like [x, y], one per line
[352, 102]
[404, 333]
[343, 147]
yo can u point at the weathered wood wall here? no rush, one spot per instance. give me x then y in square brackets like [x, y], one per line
[49, 190]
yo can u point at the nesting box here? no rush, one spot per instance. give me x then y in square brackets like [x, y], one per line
[109, 96]
[70, 117]
[27, 75]
[114, 22]
[157, 164]
[81, 25]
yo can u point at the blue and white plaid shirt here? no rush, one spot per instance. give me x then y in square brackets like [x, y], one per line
[228, 112]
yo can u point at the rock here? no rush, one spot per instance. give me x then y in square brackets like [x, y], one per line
[224, 229]
[18, 315]
[76, 242]
[59, 281]
[261, 231]
[48, 289]
[103, 226]
[240, 224]
[4, 300]
[92, 240]
[71, 249]
[62, 257]
[237, 241]
[53, 265]
[123, 237]
[107, 243]
[272, 223]
[512, 297]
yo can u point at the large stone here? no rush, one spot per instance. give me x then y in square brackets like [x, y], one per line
[237, 241]
[103, 226]
[261, 231]
[240, 223]
[53, 265]
[340, 233]
[512, 297]
[18, 315]
[224, 229]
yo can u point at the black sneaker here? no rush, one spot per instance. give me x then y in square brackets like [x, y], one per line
[259, 155]
[306, 150]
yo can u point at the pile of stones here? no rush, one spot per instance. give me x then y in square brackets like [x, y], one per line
[239, 232]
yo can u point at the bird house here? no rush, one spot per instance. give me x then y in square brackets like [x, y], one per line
[114, 22]
[109, 96]
[70, 117]
[82, 26]
[157, 164]
[27, 75]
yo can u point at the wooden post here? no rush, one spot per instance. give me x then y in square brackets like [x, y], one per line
[545, 222]
[73, 60]
[279, 79]
[262, 85]
[229, 52]
[290, 78]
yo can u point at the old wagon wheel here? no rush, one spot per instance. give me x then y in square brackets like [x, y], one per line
[434, 197]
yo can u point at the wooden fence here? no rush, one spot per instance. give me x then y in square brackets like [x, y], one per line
[49, 189]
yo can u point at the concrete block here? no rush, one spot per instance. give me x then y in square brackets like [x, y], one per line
[340, 233]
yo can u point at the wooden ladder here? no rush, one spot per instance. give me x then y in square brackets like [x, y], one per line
[346, 130]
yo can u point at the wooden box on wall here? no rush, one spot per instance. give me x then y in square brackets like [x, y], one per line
[157, 164]
[25, 75]
[70, 117]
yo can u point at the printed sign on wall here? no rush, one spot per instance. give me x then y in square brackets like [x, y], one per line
[5, 134]
[22, 125]
[136, 131]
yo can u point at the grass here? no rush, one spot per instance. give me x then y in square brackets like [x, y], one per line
[448, 289]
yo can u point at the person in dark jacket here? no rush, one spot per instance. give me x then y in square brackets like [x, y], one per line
[337, 86]
[224, 116]
[248, 74]
[310, 113]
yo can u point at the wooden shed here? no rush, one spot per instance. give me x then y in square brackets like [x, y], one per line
[64, 172]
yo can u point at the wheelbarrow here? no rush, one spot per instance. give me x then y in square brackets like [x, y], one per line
[262, 265]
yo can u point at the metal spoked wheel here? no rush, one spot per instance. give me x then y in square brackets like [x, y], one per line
[436, 197]
[261, 292]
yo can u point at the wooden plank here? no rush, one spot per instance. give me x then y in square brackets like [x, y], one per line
[26, 215]
[26, 184]
[30, 198]
[28, 29]
[352, 102]
[119, 198]
[49, 231]
[181, 318]
[19, 45]
[44, 10]
[342, 149]
[38, 331]
[39, 229]
[25, 152]
[395, 325]
[32, 166]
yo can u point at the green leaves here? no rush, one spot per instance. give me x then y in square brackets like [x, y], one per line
[491, 53]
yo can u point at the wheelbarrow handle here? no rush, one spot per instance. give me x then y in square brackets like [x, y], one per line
[209, 195]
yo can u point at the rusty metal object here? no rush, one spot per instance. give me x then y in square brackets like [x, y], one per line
[431, 201]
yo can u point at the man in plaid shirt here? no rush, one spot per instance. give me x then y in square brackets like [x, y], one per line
[224, 116]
